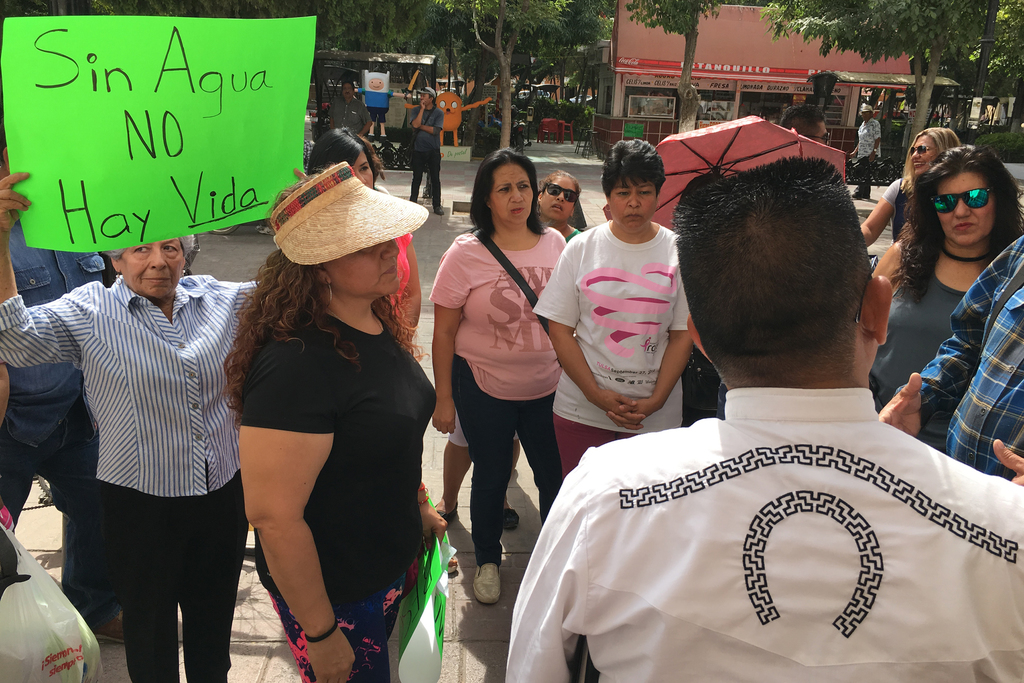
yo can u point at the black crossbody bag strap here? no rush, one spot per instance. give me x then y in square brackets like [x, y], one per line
[1015, 283]
[516, 276]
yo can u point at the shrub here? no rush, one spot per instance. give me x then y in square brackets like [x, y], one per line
[1010, 146]
[487, 140]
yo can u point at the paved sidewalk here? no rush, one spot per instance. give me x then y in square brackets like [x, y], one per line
[477, 635]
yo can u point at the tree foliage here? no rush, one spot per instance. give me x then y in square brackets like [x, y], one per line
[879, 29]
[1008, 56]
[681, 17]
[503, 22]
[381, 25]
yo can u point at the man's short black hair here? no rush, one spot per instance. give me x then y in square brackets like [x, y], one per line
[632, 162]
[774, 267]
[807, 114]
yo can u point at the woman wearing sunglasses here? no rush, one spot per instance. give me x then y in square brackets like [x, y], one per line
[559, 193]
[963, 212]
[617, 315]
[928, 145]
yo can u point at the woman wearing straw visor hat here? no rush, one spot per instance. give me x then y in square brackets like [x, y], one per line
[333, 406]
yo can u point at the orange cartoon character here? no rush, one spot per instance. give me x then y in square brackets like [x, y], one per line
[451, 104]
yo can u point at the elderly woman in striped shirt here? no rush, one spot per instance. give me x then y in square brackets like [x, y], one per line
[152, 349]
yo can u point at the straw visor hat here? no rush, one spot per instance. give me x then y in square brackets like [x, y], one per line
[333, 214]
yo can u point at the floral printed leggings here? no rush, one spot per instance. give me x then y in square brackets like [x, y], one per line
[367, 624]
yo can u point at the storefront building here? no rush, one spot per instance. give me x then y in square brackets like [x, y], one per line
[739, 71]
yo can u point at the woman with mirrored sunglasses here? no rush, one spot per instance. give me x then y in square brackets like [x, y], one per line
[927, 146]
[559, 193]
[963, 212]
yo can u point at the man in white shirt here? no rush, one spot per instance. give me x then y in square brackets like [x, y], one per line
[869, 138]
[800, 539]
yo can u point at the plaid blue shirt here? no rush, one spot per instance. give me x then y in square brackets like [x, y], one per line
[984, 386]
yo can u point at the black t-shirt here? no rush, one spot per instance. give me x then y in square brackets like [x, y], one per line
[362, 510]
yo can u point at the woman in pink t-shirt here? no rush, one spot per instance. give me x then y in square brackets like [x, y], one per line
[492, 359]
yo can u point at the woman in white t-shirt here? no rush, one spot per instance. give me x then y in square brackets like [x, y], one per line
[617, 315]
[492, 358]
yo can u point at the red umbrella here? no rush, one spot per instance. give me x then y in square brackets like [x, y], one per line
[729, 148]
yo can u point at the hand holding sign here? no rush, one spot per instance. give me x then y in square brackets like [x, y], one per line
[176, 125]
[11, 203]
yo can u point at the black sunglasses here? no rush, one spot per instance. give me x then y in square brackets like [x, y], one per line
[920, 149]
[823, 138]
[555, 190]
[975, 199]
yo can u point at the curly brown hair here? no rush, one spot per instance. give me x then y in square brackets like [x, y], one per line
[288, 298]
[922, 237]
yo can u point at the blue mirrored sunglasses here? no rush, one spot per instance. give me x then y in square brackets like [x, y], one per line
[975, 199]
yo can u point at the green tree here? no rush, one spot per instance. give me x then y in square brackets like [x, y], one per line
[680, 17]
[879, 29]
[1008, 56]
[507, 20]
[380, 25]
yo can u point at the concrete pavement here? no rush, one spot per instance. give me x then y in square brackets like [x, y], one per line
[477, 635]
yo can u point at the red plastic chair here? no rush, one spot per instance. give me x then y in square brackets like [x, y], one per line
[562, 128]
[548, 127]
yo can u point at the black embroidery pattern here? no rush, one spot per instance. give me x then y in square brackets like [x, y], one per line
[789, 504]
[839, 460]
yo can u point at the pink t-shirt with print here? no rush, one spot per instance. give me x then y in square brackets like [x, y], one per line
[499, 336]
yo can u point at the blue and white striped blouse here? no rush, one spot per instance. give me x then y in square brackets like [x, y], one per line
[155, 386]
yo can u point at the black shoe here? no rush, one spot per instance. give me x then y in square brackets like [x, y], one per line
[438, 210]
[451, 515]
[510, 519]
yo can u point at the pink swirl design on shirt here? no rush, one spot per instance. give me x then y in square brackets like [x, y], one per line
[6, 521]
[606, 306]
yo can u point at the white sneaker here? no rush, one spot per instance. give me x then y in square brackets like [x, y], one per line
[487, 584]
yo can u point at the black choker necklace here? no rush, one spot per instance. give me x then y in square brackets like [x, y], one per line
[964, 259]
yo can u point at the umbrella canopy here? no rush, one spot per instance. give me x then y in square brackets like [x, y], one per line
[729, 148]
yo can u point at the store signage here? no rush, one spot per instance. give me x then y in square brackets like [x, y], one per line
[712, 84]
[633, 80]
[748, 69]
[633, 130]
[776, 87]
[647, 81]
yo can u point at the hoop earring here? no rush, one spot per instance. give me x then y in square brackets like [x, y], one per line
[330, 293]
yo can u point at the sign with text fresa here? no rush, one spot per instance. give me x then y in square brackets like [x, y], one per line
[140, 129]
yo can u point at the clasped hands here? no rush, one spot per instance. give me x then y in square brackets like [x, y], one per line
[628, 413]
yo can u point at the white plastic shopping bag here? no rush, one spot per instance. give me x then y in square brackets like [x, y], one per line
[43, 639]
[421, 617]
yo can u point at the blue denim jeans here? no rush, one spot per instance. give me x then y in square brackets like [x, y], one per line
[489, 424]
[67, 459]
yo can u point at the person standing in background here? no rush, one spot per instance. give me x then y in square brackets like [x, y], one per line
[869, 139]
[348, 112]
[48, 431]
[427, 121]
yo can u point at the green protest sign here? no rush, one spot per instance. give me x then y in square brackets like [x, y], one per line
[140, 129]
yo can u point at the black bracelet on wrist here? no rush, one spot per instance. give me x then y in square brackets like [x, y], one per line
[317, 639]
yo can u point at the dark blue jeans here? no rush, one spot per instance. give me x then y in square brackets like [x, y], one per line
[67, 459]
[429, 162]
[489, 424]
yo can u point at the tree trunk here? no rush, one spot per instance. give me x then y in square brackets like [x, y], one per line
[687, 93]
[505, 78]
[924, 94]
[477, 94]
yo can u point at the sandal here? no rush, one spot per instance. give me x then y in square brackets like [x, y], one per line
[450, 516]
